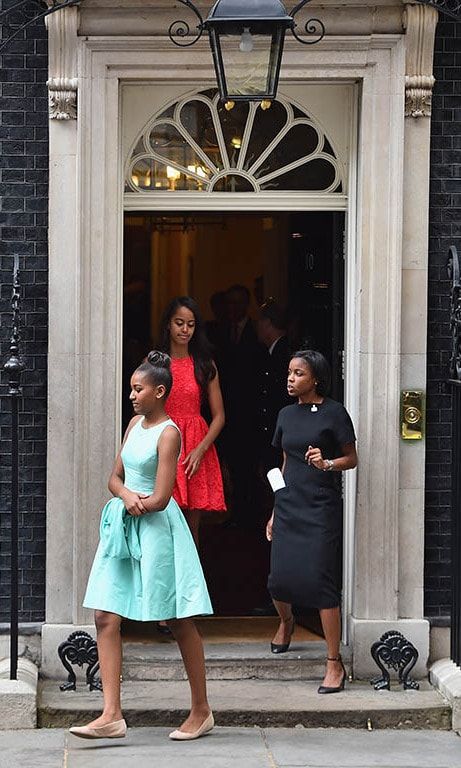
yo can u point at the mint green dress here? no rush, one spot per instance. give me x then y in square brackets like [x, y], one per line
[146, 568]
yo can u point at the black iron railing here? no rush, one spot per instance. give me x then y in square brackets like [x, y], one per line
[14, 367]
[455, 386]
[455, 643]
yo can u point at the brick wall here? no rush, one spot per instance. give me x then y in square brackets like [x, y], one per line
[23, 230]
[444, 230]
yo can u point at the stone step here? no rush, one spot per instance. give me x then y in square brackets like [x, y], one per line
[253, 703]
[228, 661]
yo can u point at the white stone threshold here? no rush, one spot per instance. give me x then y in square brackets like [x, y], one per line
[445, 676]
[18, 698]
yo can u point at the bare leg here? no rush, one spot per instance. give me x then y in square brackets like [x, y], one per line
[191, 647]
[285, 613]
[331, 623]
[110, 661]
[193, 518]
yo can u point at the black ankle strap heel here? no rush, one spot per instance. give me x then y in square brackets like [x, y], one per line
[337, 688]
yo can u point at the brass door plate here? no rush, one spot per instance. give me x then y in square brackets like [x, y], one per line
[411, 414]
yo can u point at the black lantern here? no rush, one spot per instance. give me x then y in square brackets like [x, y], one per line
[246, 39]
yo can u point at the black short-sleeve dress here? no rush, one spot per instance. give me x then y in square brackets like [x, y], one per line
[306, 532]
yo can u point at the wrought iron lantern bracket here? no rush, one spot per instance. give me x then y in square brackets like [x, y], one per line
[181, 29]
[25, 13]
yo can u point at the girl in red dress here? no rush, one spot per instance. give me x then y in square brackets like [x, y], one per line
[199, 485]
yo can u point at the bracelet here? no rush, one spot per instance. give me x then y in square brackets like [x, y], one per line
[330, 464]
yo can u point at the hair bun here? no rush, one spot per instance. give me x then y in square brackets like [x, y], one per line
[159, 359]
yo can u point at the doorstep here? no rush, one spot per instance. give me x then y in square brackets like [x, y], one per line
[261, 703]
[236, 648]
[229, 661]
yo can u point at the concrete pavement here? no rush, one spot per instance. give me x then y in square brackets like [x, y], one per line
[235, 748]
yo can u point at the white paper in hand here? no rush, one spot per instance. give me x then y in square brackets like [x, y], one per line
[275, 478]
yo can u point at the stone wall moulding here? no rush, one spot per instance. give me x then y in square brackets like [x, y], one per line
[420, 22]
[62, 64]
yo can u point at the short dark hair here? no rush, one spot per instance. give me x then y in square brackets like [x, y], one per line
[319, 367]
[273, 312]
[157, 367]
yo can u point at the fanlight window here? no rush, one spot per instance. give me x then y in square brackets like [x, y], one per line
[197, 145]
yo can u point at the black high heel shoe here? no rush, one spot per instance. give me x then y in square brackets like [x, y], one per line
[336, 688]
[163, 629]
[283, 647]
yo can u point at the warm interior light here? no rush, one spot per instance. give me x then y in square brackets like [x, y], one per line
[229, 105]
[236, 142]
[198, 170]
[172, 173]
[135, 179]
[246, 41]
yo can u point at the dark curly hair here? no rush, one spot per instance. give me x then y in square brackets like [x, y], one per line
[199, 346]
[319, 367]
[157, 367]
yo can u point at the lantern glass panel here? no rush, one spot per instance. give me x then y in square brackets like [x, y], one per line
[249, 63]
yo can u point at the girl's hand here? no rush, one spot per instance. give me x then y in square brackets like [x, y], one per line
[269, 525]
[133, 502]
[192, 461]
[314, 457]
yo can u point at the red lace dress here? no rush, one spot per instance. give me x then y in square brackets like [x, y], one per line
[205, 489]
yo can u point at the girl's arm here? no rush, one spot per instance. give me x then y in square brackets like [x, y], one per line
[131, 500]
[169, 446]
[193, 459]
[348, 460]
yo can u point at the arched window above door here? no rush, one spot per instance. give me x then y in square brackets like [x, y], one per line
[197, 145]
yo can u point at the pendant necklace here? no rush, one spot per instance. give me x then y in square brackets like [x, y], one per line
[314, 408]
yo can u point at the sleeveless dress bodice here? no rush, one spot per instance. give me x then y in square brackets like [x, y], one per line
[204, 490]
[140, 457]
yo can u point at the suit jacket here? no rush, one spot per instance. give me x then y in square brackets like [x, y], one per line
[241, 364]
[273, 395]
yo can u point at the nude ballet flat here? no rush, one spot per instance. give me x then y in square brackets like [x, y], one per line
[115, 730]
[206, 726]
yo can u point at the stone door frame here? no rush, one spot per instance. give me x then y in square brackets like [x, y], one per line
[86, 221]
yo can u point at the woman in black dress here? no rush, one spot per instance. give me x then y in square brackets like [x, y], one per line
[318, 441]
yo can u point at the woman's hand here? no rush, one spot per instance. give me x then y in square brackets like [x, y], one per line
[269, 525]
[314, 456]
[133, 502]
[192, 461]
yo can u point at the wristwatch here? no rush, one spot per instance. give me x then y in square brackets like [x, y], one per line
[329, 465]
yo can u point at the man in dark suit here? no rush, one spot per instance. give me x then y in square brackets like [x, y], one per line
[273, 393]
[241, 356]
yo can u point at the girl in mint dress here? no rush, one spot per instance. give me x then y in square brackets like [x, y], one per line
[146, 567]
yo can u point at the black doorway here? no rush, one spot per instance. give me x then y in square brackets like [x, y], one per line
[296, 259]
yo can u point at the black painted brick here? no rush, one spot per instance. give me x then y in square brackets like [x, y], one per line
[444, 230]
[23, 230]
